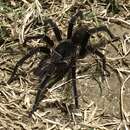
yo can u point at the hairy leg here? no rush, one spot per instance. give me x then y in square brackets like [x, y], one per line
[55, 28]
[21, 61]
[40, 36]
[98, 53]
[42, 67]
[73, 76]
[72, 22]
[103, 28]
[40, 94]
[52, 77]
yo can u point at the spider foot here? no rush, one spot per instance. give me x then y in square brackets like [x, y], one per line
[34, 108]
[104, 74]
[66, 108]
[11, 79]
[32, 112]
[107, 73]
[115, 38]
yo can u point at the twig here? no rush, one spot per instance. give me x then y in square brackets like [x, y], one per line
[118, 21]
[58, 86]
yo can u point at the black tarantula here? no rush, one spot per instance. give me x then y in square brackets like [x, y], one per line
[61, 60]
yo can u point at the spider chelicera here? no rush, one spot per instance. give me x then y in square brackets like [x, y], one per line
[61, 60]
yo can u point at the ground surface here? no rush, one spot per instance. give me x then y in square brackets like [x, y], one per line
[104, 104]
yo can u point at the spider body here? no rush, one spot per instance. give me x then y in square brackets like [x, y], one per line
[61, 60]
[66, 49]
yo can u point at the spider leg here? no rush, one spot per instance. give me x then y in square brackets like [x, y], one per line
[103, 28]
[58, 75]
[40, 95]
[40, 36]
[55, 28]
[98, 53]
[21, 61]
[73, 76]
[42, 67]
[72, 22]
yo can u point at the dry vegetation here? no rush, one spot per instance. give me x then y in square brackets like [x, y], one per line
[104, 104]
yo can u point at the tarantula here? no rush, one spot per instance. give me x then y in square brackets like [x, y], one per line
[61, 60]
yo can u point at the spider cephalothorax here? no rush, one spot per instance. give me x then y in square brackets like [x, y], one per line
[61, 60]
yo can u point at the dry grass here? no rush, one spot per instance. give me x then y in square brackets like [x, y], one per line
[104, 105]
